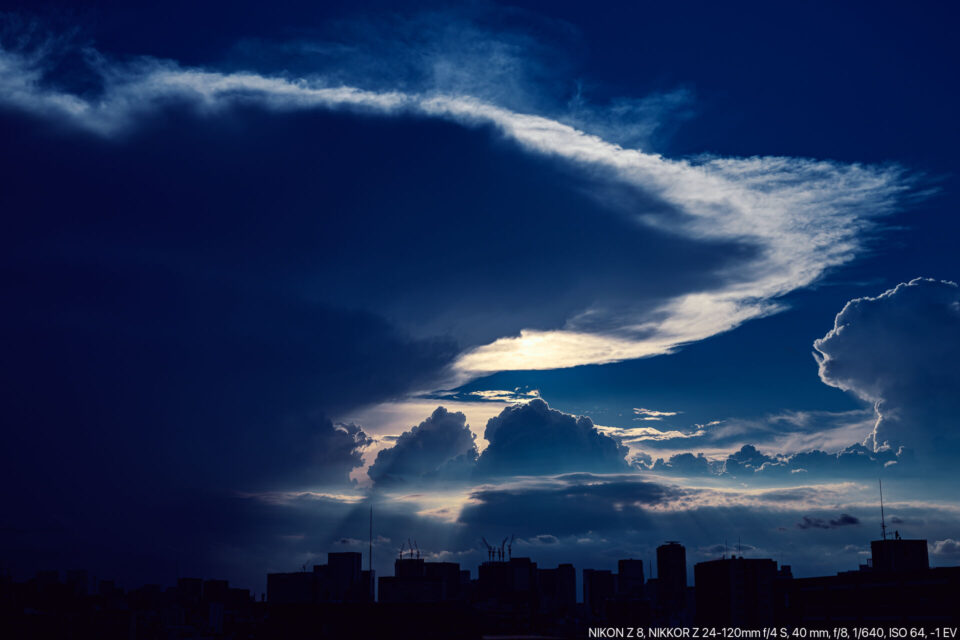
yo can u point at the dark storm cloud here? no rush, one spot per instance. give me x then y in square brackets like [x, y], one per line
[705, 226]
[532, 438]
[194, 379]
[439, 448]
[567, 506]
[855, 460]
[197, 278]
[844, 520]
[749, 463]
[900, 351]
[166, 338]
[686, 464]
[794, 494]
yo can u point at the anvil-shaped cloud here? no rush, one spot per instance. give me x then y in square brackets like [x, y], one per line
[779, 223]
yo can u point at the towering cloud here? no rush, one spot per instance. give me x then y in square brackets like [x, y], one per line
[532, 439]
[901, 351]
[440, 447]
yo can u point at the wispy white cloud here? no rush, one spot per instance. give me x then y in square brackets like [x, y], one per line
[652, 414]
[791, 432]
[518, 394]
[800, 217]
[639, 434]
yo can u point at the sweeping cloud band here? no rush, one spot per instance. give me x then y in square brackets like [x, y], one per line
[799, 217]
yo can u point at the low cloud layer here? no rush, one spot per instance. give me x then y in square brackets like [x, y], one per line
[568, 506]
[900, 351]
[844, 520]
[750, 464]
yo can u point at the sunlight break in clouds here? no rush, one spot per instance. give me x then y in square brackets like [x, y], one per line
[800, 216]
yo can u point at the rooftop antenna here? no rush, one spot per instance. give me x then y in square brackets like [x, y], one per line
[401, 550]
[370, 584]
[510, 546]
[417, 548]
[410, 545]
[883, 521]
[502, 545]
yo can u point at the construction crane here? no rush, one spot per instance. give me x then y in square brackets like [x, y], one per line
[489, 549]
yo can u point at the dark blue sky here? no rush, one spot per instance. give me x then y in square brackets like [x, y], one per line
[247, 249]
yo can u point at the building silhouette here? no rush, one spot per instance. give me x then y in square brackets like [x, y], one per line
[672, 571]
[672, 599]
[735, 592]
[415, 580]
[898, 554]
[558, 590]
[510, 596]
[340, 580]
[599, 587]
[511, 583]
[897, 587]
[630, 578]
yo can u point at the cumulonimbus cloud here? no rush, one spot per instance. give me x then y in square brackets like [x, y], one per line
[798, 217]
[532, 438]
[900, 350]
[439, 448]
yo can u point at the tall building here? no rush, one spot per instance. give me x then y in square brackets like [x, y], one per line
[630, 577]
[671, 572]
[290, 588]
[417, 581]
[512, 583]
[735, 592]
[876, 598]
[448, 574]
[189, 590]
[899, 587]
[599, 587]
[897, 554]
[341, 580]
[408, 568]
[558, 589]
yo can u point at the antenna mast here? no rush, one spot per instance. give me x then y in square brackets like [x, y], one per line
[370, 549]
[883, 521]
